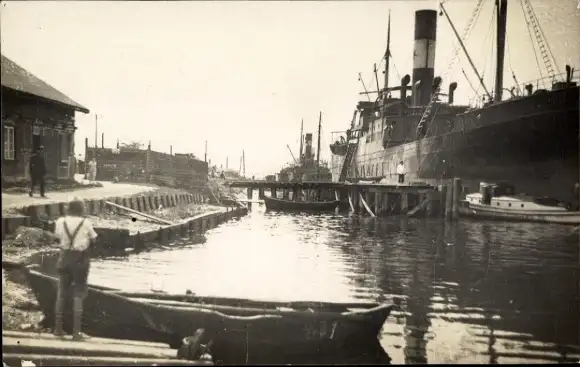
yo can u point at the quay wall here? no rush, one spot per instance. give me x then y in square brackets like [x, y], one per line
[41, 215]
[146, 165]
[118, 242]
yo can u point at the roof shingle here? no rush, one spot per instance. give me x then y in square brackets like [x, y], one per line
[17, 78]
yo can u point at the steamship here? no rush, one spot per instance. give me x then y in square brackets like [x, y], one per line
[529, 139]
[308, 167]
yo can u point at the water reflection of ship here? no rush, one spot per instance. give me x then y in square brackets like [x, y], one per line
[485, 287]
[308, 166]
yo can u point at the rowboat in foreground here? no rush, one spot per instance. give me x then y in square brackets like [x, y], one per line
[499, 201]
[289, 205]
[230, 324]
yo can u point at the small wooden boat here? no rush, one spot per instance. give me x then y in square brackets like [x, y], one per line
[499, 201]
[229, 323]
[289, 205]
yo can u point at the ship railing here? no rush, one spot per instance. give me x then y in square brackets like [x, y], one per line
[545, 82]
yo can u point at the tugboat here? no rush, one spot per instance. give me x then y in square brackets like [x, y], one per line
[500, 201]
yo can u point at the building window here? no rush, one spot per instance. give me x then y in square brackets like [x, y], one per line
[9, 143]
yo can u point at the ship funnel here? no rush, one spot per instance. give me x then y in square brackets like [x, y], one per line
[424, 54]
[568, 74]
[452, 88]
[529, 89]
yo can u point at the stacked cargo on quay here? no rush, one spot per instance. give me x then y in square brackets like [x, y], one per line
[529, 138]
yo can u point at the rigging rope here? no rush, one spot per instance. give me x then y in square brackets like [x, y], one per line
[532, 40]
[487, 38]
[511, 67]
[543, 45]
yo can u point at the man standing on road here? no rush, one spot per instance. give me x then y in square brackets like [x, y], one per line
[37, 171]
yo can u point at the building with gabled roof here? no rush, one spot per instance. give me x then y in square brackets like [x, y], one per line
[33, 114]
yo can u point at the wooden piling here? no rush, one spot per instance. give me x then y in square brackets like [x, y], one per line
[449, 201]
[368, 199]
[378, 202]
[273, 192]
[365, 205]
[456, 197]
[295, 193]
[431, 205]
[350, 202]
[356, 200]
[404, 202]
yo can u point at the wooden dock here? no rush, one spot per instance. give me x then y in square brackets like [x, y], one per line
[45, 349]
[328, 185]
[374, 199]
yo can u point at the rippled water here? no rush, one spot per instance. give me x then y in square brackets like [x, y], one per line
[481, 292]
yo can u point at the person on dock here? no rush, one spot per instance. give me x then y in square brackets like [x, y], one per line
[93, 170]
[401, 172]
[76, 235]
[37, 171]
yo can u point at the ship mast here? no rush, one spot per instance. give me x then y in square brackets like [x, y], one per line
[501, 9]
[387, 57]
[318, 147]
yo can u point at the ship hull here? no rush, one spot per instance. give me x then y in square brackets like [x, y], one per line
[532, 142]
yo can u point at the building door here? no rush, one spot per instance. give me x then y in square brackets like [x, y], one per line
[36, 138]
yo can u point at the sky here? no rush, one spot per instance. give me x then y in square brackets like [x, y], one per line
[242, 75]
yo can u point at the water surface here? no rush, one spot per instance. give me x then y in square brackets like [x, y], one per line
[470, 292]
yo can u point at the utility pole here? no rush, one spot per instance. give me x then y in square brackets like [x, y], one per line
[301, 142]
[96, 131]
[205, 156]
[318, 147]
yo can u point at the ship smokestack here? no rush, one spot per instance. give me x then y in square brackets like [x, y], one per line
[404, 82]
[308, 154]
[568, 74]
[424, 54]
[452, 88]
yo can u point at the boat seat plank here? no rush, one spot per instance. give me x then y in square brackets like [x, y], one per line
[94, 340]
[89, 347]
[15, 359]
